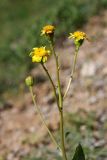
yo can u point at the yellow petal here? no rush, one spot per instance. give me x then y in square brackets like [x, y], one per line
[44, 59]
[36, 59]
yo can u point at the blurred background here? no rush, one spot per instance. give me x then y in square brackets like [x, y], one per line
[20, 27]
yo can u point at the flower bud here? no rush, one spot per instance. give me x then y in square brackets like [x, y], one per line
[29, 81]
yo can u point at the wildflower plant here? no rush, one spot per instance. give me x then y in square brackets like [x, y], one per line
[41, 55]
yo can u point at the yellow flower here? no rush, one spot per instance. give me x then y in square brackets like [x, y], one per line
[48, 30]
[78, 37]
[40, 54]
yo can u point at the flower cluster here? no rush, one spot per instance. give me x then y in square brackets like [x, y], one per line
[40, 54]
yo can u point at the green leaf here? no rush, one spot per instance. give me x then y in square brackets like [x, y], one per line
[79, 153]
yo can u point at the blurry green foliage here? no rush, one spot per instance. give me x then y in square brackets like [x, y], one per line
[21, 22]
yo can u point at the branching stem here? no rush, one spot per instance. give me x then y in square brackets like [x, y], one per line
[60, 104]
[52, 83]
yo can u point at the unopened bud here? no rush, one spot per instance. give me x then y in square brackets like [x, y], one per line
[29, 81]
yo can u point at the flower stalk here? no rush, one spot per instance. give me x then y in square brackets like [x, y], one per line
[52, 83]
[42, 119]
[60, 104]
[72, 72]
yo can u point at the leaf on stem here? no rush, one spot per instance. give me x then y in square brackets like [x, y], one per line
[79, 153]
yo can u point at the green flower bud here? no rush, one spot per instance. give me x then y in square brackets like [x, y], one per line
[29, 81]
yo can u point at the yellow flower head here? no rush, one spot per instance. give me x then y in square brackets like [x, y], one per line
[78, 37]
[40, 54]
[48, 30]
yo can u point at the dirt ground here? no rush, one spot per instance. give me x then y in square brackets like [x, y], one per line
[20, 124]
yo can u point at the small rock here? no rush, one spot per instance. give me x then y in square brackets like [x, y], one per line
[96, 135]
[100, 94]
[92, 100]
[10, 156]
[32, 129]
[103, 118]
[100, 143]
[88, 69]
[104, 71]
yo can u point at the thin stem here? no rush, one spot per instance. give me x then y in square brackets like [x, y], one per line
[72, 72]
[53, 86]
[60, 103]
[58, 76]
[42, 119]
[62, 135]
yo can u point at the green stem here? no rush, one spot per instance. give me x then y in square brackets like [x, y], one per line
[72, 72]
[62, 135]
[58, 76]
[42, 119]
[53, 86]
[60, 103]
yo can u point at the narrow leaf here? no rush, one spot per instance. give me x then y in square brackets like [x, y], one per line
[79, 153]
